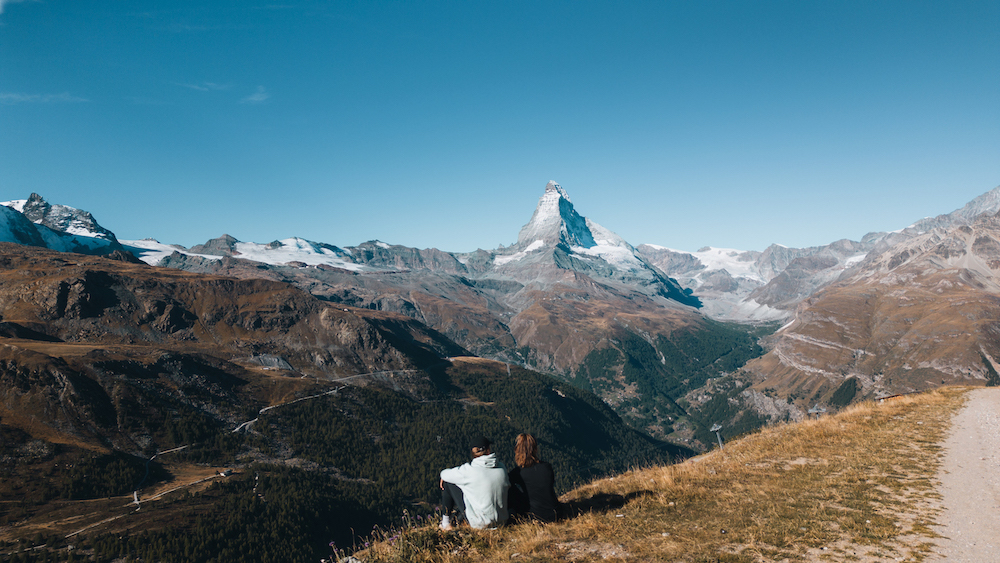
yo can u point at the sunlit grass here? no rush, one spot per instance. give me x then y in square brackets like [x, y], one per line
[859, 483]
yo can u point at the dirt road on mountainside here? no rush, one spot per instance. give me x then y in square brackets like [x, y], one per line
[970, 483]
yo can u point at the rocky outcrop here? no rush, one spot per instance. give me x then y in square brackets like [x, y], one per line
[58, 227]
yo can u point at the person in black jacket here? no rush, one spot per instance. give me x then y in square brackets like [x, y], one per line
[532, 482]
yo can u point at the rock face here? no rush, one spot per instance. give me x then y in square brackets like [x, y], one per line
[58, 227]
[749, 285]
[64, 219]
[221, 246]
[911, 316]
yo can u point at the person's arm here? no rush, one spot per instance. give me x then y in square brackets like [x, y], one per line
[456, 475]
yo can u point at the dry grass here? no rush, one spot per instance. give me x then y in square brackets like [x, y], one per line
[857, 486]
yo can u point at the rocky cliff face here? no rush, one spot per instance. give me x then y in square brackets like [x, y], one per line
[749, 285]
[58, 227]
[912, 316]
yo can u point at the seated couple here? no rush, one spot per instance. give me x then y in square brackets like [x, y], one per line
[484, 491]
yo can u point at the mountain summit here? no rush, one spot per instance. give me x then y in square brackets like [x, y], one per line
[558, 241]
[61, 218]
[58, 227]
[556, 221]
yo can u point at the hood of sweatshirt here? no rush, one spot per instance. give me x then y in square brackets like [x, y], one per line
[488, 460]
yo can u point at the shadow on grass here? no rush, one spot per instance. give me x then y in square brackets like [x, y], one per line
[601, 502]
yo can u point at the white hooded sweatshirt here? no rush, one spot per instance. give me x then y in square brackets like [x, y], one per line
[484, 487]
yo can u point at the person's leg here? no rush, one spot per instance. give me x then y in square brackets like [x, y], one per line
[451, 500]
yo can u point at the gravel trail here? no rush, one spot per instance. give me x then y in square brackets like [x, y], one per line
[970, 483]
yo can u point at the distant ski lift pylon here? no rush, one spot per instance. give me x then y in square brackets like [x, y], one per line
[715, 428]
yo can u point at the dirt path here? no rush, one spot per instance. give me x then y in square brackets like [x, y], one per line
[970, 483]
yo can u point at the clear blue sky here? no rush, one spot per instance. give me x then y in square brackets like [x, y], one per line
[438, 124]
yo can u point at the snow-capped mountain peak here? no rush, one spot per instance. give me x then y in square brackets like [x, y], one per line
[555, 221]
[63, 218]
[60, 227]
[554, 187]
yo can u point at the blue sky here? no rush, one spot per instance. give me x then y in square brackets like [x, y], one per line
[437, 124]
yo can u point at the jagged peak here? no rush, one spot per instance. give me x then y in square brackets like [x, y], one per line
[555, 220]
[555, 188]
[987, 203]
[61, 218]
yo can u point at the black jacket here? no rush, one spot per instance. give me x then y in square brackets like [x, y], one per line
[532, 492]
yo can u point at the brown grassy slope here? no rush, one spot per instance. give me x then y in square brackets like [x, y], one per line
[893, 338]
[857, 486]
[563, 324]
[93, 300]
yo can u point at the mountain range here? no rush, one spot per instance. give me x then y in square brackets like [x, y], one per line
[574, 299]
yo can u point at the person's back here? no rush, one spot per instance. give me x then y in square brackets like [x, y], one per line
[535, 480]
[478, 488]
[538, 484]
[484, 487]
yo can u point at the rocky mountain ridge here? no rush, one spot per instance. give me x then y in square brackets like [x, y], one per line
[577, 295]
[750, 285]
[729, 284]
[35, 222]
[911, 316]
[574, 299]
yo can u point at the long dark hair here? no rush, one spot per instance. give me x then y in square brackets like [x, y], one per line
[525, 450]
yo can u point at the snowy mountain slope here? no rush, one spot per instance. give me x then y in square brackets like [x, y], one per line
[558, 241]
[370, 257]
[57, 227]
[152, 251]
[555, 222]
[15, 227]
[61, 218]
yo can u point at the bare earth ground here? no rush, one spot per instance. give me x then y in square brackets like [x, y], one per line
[970, 483]
[74, 517]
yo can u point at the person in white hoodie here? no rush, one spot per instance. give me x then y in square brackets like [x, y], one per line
[478, 488]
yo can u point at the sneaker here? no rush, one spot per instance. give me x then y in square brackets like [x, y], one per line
[446, 523]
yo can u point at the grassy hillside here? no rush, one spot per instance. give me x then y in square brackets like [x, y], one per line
[845, 487]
